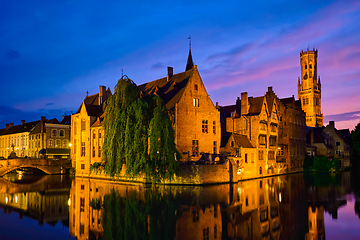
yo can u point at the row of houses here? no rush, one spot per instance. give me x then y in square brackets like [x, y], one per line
[46, 138]
[262, 135]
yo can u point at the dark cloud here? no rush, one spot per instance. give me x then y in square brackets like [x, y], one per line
[49, 104]
[342, 117]
[13, 115]
[157, 66]
[12, 54]
[233, 52]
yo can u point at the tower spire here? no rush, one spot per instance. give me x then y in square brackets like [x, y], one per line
[190, 63]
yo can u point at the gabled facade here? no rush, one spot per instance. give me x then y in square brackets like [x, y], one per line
[90, 110]
[330, 142]
[254, 118]
[195, 119]
[50, 139]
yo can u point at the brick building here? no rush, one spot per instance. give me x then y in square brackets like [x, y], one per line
[330, 142]
[309, 88]
[50, 139]
[85, 148]
[195, 119]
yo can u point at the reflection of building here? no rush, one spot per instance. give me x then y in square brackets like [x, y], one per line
[49, 206]
[198, 222]
[254, 214]
[316, 224]
[309, 88]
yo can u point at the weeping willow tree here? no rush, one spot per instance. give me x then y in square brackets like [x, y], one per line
[138, 132]
[131, 218]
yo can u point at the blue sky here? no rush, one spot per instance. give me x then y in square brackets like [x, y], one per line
[52, 52]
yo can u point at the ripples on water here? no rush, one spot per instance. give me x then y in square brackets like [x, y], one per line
[295, 206]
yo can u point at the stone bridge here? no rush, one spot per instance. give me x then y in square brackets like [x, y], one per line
[46, 165]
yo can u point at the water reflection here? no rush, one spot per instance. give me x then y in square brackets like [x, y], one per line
[40, 198]
[282, 207]
[292, 206]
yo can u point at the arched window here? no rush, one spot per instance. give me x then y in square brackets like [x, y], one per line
[232, 144]
[65, 144]
[54, 133]
[260, 171]
[57, 143]
[62, 133]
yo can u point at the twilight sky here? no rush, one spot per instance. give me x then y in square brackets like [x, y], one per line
[52, 52]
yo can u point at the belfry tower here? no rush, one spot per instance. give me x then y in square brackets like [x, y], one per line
[309, 88]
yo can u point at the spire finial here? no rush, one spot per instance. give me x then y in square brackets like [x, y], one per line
[87, 93]
[189, 42]
[190, 63]
[122, 73]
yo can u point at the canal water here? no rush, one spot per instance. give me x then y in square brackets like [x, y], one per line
[294, 206]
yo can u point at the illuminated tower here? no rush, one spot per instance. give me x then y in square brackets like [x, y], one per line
[309, 88]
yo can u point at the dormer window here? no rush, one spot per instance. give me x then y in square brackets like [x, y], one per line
[195, 87]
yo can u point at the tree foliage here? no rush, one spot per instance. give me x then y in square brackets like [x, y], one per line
[355, 137]
[138, 132]
[321, 164]
[130, 218]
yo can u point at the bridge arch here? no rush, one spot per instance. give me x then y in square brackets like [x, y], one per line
[46, 165]
[10, 169]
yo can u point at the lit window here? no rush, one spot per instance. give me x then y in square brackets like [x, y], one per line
[51, 143]
[205, 126]
[195, 102]
[82, 149]
[54, 133]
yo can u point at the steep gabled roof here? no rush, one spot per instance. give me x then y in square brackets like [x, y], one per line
[227, 110]
[242, 141]
[93, 110]
[170, 91]
[66, 120]
[94, 99]
[286, 101]
[255, 105]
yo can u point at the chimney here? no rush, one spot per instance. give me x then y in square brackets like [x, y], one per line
[7, 126]
[238, 105]
[43, 118]
[102, 94]
[170, 73]
[332, 124]
[244, 103]
[11, 124]
[270, 89]
[22, 122]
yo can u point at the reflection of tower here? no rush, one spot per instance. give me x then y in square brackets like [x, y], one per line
[316, 223]
[309, 88]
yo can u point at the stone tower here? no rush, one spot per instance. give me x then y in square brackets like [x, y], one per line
[309, 88]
